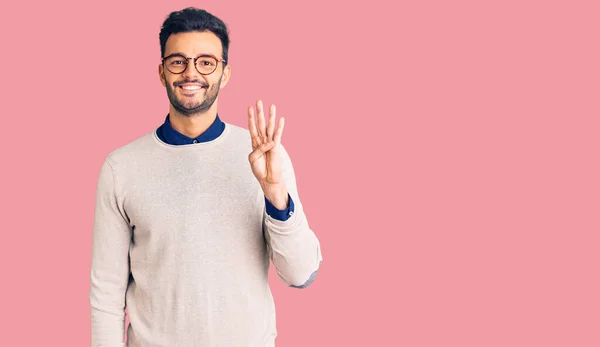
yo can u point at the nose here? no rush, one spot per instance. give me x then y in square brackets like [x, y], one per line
[190, 71]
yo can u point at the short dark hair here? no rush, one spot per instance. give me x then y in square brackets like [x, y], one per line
[193, 19]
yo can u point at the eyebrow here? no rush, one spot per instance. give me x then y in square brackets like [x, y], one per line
[183, 55]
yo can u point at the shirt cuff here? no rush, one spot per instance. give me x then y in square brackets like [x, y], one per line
[281, 215]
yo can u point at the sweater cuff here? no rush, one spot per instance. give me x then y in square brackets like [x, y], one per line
[278, 214]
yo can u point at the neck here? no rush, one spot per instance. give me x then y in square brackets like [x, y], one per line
[194, 125]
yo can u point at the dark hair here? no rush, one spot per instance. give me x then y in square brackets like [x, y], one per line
[194, 19]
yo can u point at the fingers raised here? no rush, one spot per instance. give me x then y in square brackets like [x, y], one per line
[271, 124]
[261, 120]
[279, 131]
[252, 125]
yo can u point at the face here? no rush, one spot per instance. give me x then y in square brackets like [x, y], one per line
[190, 92]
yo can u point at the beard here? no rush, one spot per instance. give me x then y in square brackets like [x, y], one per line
[190, 106]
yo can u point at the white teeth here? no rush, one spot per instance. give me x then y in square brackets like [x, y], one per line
[191, 87]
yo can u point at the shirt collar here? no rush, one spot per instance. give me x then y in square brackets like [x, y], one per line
[174, 137]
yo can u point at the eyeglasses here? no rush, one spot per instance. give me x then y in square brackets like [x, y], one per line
[205, 64]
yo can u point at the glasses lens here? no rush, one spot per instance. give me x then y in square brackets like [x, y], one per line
[176, 64]
[206, 65]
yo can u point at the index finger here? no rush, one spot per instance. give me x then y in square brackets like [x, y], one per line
[252, 123]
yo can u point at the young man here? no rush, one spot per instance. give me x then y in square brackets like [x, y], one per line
[189, 216]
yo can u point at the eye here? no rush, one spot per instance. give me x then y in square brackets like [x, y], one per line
[206, 62]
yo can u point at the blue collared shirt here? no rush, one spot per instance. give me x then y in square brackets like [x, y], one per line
[173, 137]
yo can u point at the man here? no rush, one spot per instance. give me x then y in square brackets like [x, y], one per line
[189, 216]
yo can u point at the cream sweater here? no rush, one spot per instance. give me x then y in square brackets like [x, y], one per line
[182, 240]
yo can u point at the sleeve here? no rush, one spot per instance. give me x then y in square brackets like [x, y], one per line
[109, 275]
[278, 214]
[293, 247]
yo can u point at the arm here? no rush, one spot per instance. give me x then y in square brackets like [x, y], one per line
[110, 264]
[293, 247]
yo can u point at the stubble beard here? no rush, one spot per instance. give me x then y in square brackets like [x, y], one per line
[191, 108]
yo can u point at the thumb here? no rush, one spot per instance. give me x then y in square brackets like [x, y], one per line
[260, 151]
[265, 147]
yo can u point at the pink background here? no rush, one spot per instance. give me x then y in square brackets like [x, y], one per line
[446, 154]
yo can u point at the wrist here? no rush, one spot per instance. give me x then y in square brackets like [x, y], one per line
[277, 194]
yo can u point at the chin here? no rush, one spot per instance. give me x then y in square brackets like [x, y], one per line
[191, 103]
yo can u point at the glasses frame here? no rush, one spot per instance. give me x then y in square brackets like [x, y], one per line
[187, 62]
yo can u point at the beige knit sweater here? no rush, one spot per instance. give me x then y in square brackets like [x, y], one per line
[182, 240]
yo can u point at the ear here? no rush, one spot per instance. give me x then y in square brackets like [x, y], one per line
[161, 75]
[226, 76]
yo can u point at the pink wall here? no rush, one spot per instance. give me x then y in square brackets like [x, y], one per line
[446, 154]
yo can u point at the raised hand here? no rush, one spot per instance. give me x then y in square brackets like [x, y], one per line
[265, 159]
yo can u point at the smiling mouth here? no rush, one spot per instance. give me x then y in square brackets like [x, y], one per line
[191, 87]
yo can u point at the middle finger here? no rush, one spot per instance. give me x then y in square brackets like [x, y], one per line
[261, 120]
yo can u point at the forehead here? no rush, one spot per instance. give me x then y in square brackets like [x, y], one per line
[194, 43]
